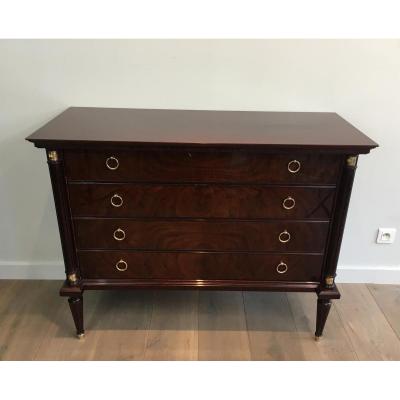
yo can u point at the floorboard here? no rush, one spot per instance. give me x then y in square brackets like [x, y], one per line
[370, 333]
[172, 333]
[222, 326]
[192, 325]
[388, 300]
[271, 328]
[335, 344]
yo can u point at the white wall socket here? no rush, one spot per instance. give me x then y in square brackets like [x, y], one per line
[386, 235]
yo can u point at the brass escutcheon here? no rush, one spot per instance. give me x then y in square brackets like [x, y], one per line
[352, 161]
[52, 155]
[72, 278]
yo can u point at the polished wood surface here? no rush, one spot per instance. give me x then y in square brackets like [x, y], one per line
[236, 166]
[200, 266]
[105, 126]
[201, 201]
[201, 284]
[191, 325]
[99, 233]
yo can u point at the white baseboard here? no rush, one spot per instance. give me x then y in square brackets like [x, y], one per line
[368, 274]
[32, 270]
[55, 270]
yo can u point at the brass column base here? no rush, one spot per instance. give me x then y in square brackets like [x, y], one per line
[80, 335]
[317, 338]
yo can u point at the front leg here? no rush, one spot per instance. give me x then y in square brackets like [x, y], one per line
[75, 301]
[325, 296]
[76, 306]
[323, 308]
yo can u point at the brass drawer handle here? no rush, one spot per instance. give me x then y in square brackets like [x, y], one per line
[112, 163]
[284, 236]
[116, 200]
[119, 234]
[121, 265]
[281, 268]
[294, 166]
[288, 203]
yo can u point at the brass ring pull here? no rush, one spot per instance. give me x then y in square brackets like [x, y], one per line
[121, 265]
[288, 203]
[119, 234]
[281, 268]
[294, 166]
[284, 236]
[116, 200]
[112, 163]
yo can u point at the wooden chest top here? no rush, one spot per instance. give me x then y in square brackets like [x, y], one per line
[80, 126]
[201, 199]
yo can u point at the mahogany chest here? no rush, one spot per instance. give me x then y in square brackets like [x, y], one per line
[201, 199]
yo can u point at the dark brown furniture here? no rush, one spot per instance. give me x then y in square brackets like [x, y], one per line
[201, 199]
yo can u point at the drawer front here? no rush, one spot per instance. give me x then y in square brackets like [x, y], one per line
[200, 166]
[282, 236]
[205, 266]
[199, 201]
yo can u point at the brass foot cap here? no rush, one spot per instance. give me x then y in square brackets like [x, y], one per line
[80, 335]
[317, 338]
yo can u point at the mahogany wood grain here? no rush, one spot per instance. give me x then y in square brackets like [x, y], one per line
[201, 235]
[63, 211]
[175, 165]
[200, 266]
[339, 220]
[90, 126]
[200, 201]
[188, 284]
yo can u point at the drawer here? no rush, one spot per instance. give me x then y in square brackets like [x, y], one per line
[200, 166]
[204, 266]
[199, 201]
[282, 236]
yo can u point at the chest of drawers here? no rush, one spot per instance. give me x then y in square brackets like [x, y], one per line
[201, 199]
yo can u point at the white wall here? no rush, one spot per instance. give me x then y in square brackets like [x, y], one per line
[359, 79]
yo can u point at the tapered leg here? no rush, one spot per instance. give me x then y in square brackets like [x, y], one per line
[76, 306]
[323, 308]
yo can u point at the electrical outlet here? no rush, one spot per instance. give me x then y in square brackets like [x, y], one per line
[386, 235]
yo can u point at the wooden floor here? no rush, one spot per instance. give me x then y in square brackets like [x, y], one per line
[35, 324]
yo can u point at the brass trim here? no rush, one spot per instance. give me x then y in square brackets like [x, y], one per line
[115, 160]
[72, 278]
[296, 169]
[352, 161]
[52, 155]
[121, 234]
[284, 203]
[329, 280]
[286, 234]
[282, 271]
[121, 262]
[120, 199]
